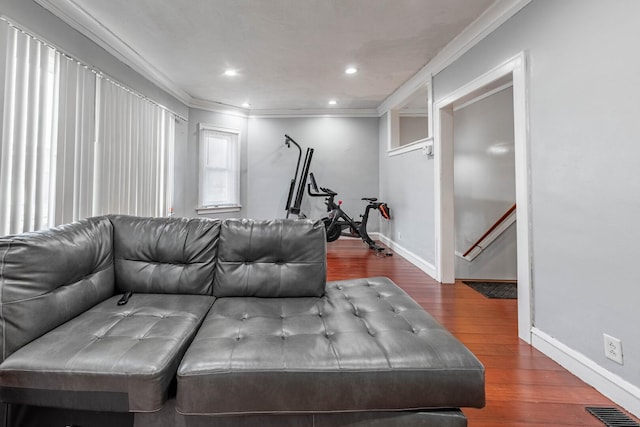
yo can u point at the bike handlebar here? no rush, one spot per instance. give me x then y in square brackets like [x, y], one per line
[326, 192]
[323, 192]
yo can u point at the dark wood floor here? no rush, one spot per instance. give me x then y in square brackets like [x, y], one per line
[524, 387]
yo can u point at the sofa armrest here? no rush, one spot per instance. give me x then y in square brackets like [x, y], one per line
[49, 277]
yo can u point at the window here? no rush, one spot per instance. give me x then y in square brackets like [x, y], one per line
[409, 123]
[219, 186]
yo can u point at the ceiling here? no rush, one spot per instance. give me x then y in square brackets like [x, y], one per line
[288, 54]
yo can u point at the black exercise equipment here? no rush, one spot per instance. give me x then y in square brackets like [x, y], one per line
[302, 182]
[337, 220]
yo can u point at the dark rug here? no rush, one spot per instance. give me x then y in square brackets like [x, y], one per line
[500, 290]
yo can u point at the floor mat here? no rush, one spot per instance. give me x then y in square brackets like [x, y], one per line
[499, 290]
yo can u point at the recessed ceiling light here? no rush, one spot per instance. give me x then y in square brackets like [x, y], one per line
[246, 105]
[351, 70]
[230, 72]
[333, 102]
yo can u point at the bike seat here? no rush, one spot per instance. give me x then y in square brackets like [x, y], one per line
[370, 199]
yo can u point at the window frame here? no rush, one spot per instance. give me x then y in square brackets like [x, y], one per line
[233, 205]
[394, 114]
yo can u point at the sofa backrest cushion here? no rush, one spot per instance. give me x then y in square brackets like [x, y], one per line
[165, 255]
[277, 258]
[49, 277]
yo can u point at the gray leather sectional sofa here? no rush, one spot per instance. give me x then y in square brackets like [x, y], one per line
[229, 323]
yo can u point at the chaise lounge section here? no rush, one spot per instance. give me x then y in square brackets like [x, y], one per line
[231, 323]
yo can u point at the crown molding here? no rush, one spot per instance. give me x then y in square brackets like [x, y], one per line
[485, 24]
[81, 20]
[413, 112]
[319, 112]
[218, 107]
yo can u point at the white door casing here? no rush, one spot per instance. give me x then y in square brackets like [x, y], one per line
[516, 70]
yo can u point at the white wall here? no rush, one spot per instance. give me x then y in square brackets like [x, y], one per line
[485, 186]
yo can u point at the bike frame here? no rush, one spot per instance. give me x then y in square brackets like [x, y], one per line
[338, 220]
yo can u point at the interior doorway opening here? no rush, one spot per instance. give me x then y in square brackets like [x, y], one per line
[512, 72]
[484, 187]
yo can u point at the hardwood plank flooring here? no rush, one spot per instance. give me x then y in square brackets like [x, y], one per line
[524, 387]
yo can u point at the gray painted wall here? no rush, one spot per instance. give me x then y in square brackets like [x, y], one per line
[406, 183]
[345, 159]
[485, 186]
[585, 181]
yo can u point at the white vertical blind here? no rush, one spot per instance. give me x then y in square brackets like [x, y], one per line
[134, 154]
[74, 119]
[73, 143]
[47, 136]
[27, 149]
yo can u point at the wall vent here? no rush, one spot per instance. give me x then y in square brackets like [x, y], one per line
[611, 417]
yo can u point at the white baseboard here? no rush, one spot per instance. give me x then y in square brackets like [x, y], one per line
[606, 382]
[414, 259]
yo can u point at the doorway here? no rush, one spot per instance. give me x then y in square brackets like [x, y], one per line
[484, 188]
[512, 71]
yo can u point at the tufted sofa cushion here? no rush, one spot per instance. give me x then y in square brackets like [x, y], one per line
[110, 358]
[279, 258]
[165, 255]
[364, 345]
[49, 277]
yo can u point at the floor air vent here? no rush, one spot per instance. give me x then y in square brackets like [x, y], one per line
[612, 417]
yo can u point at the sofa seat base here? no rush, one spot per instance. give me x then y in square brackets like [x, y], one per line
[168, 417]
[33, 416]
[39, 416]
[364, 346]
[112, 357]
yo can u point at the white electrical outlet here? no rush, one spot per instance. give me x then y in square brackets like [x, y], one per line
[399, 236]
[613, 348]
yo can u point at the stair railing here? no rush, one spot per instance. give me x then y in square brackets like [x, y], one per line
[490, 235]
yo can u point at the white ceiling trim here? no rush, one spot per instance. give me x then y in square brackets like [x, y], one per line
[321, 112]
[497, 14]
[218, 107]
[85, 23]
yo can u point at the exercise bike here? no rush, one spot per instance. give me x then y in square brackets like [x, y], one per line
[337, 221]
